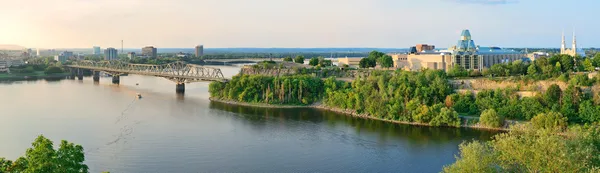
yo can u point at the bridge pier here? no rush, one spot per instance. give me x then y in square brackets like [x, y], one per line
[80, 74]
[116, 79]
[72, 76]
[180, 88]
[96, 76]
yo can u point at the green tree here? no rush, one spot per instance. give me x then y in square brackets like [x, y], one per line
[596, 60]
[43, 158]
[299, 59]
[587, 65]
[474, 157]
[550, 120]
[387, 61]
[53, 70]
[532, 70]
[490, 118]
[446, 117]
[458, 71]
[313, 62]
[288, 59]
[552, 95]
[567, 63]
[367, 63]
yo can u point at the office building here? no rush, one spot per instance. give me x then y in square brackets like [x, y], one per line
[199, 50]
[131, 55]
[63, 56]
[149, 51]
[96, 50]
[110, 54]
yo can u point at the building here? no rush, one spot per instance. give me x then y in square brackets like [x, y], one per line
[536, 55]
[63, 56]
[199, 50]
[38, 52]
[96, 50]
[350, 61]
[149, 51]
[465, 53]
[111, 54]
[182, 55]
[131, 55]
[424, 47]
[573, 51]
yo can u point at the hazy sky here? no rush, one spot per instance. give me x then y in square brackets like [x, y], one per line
[295, 23]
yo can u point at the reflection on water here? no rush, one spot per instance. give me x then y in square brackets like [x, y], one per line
[169, 132]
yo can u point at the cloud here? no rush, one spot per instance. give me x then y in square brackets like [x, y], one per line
[487, 2]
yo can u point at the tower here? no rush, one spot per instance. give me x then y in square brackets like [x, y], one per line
[563, 45]
[574, 46]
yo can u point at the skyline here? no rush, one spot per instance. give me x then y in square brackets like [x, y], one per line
[294, 24]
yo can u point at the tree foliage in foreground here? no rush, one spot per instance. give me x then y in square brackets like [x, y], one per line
[43, 158]
[525, 149]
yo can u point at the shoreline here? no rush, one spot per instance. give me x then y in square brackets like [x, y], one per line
[352, 113]
[33, 77]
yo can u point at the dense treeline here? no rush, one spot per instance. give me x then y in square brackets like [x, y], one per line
[400, 95]
[294, 90]
[556, 66]
[573, 103]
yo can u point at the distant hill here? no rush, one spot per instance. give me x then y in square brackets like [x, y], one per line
[11, 47]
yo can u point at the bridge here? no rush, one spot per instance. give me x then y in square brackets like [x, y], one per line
[178, 72]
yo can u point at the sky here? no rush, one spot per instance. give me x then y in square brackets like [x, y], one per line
[295, 23]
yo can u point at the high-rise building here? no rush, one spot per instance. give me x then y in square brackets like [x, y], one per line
[149, 51]
[38, 52]
[199, 50]
[97, 50]
[110, 54]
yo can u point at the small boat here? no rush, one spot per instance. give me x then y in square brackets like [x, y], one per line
[139, 96]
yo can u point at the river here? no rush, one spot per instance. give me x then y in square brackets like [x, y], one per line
[166, 132]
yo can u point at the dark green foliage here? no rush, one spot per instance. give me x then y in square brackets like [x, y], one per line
[367, 63]
[552, 95]
[313, 62]
[288, 59]
[299, 59]
[53, 70]
[386, 61]
[43, 158]
[295, 90]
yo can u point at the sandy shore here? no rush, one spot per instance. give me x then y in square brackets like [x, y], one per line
[346, 112]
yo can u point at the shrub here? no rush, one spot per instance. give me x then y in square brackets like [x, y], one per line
[490, 118]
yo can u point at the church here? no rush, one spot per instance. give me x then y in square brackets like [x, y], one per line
[573, 51]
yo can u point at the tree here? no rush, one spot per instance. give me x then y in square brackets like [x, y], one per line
[587, 65]
[550, 120]
[313, 62]
[367, 63]
[490, 118]
[299, 59]
[446, 117]
[524, 149]
[387, 61]
[42, 157]
[288, 59]
[567, 62]
[532, 70]
[474, 157]
[53, 70]
[552, 95]
[596, 60]
[458, 71]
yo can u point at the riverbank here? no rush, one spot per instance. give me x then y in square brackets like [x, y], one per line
[27, 76]
[355, 114]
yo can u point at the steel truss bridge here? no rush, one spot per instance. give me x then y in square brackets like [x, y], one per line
[178, 72]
